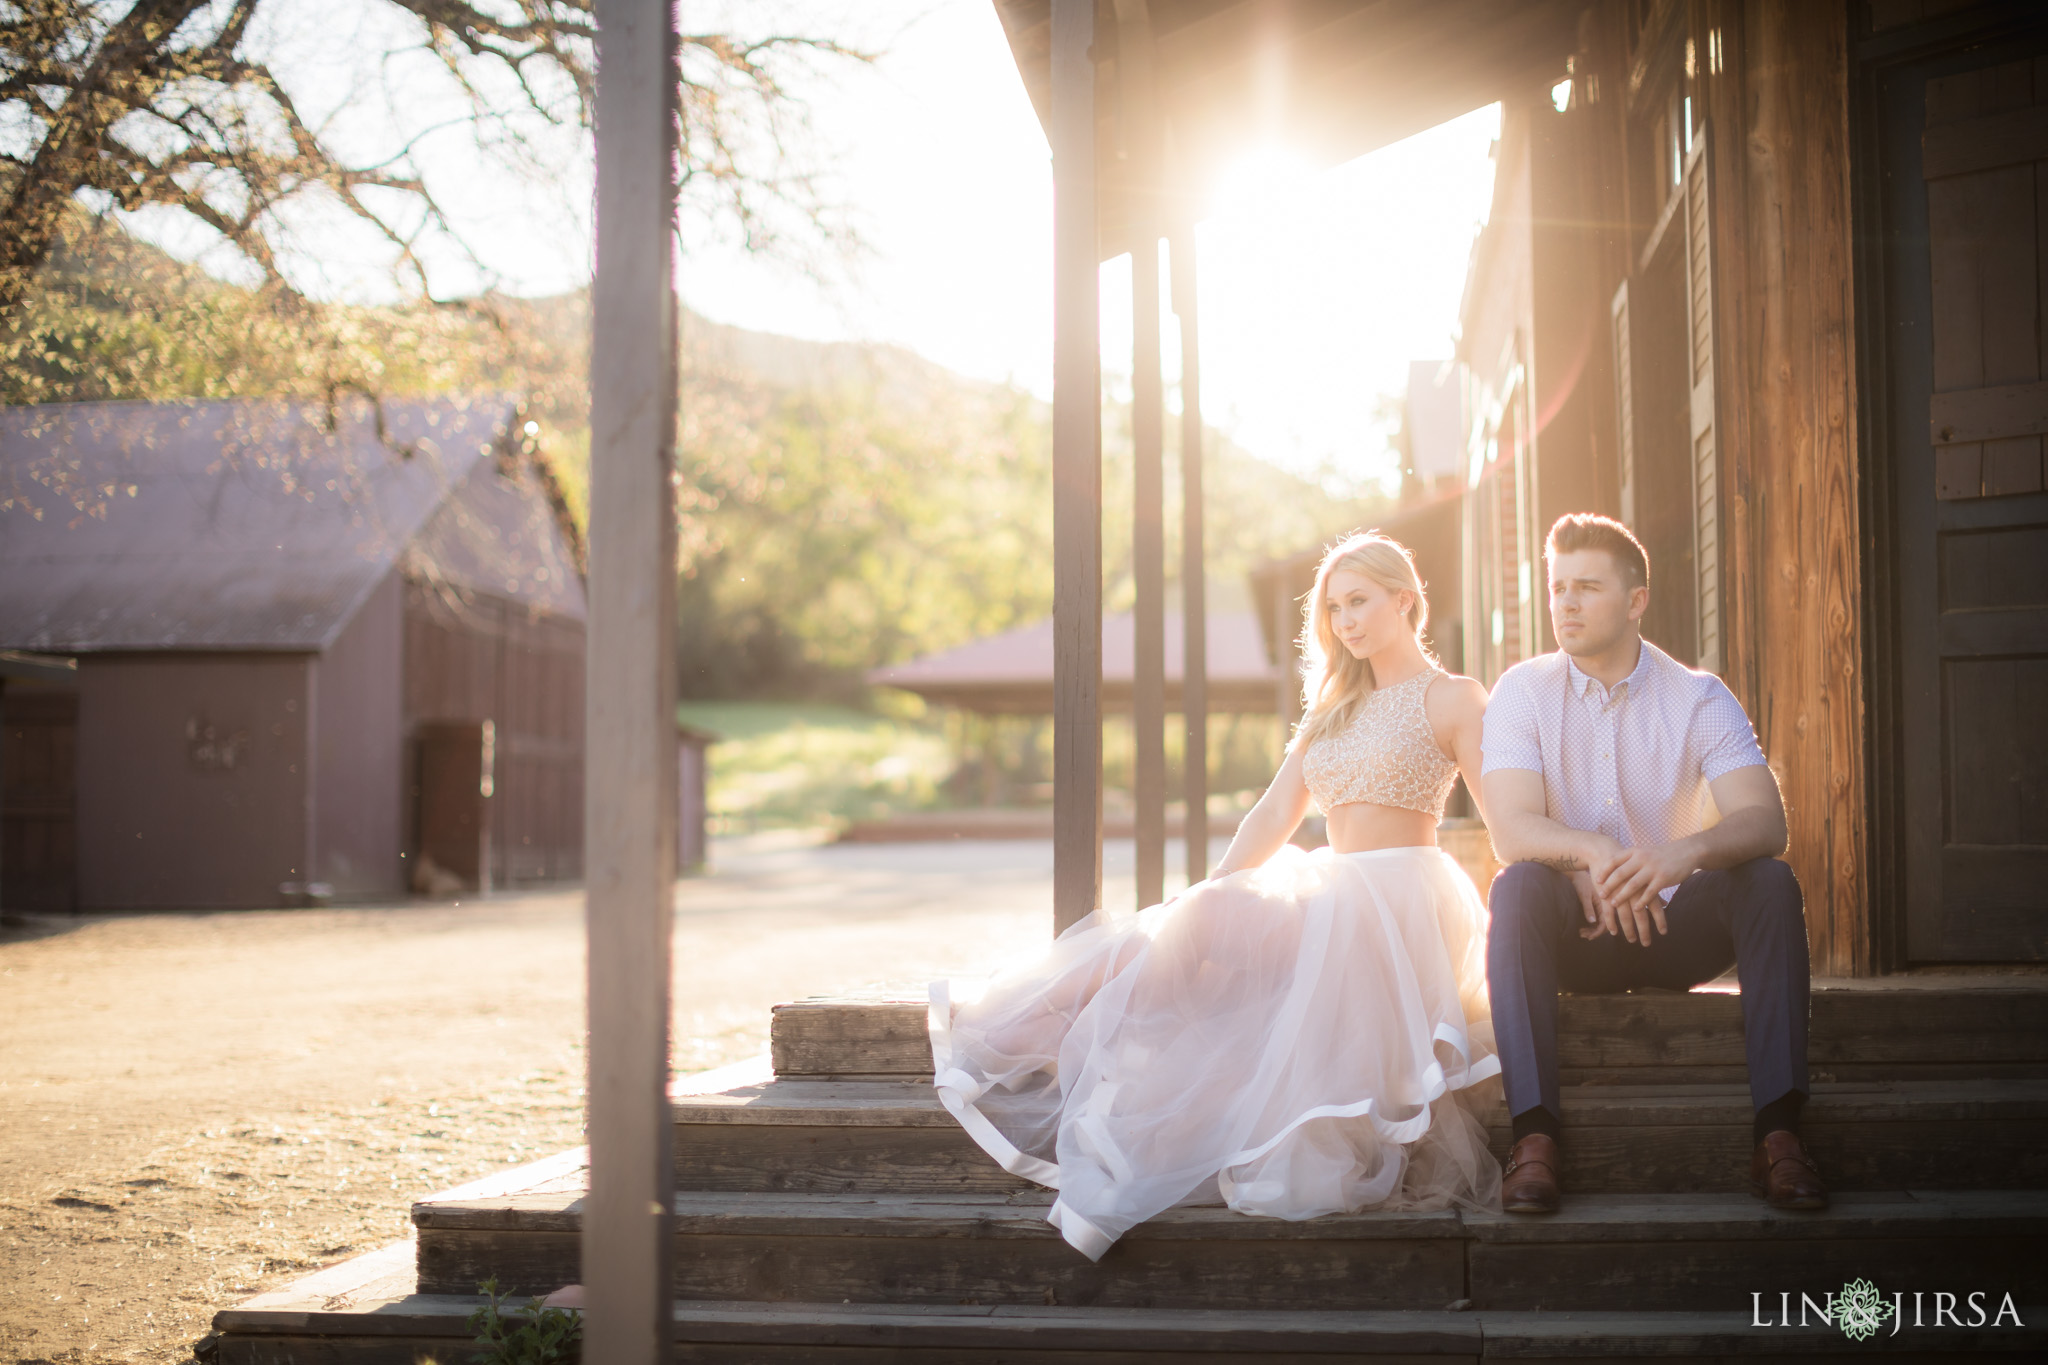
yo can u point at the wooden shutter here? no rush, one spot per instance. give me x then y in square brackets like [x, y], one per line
[1624, 404]
[1706, 473]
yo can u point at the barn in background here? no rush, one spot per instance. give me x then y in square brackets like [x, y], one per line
[319, 652]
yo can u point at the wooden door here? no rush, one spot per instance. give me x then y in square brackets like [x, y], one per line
[38, 800]
[457, 777]
[1970, 407]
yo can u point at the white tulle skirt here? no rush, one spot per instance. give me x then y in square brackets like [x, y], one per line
[1304, 1038]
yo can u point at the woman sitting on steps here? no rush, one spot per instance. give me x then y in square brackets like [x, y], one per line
[1303, 1033]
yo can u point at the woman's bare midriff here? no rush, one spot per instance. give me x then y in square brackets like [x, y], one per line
[1360, 827]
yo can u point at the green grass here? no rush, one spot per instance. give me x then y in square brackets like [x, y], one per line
[796, 765]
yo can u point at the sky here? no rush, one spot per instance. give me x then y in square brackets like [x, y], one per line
[1316, 290]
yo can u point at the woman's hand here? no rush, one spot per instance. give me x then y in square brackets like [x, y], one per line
[1270, 823]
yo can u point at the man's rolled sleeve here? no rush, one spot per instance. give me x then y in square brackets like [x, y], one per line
[1508, 738]
[1727, 739]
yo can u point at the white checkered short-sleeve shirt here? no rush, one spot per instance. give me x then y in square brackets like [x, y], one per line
[1631, 762]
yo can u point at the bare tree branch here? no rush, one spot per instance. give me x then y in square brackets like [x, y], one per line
[160, 105]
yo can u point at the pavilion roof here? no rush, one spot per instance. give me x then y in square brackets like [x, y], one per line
[1011, 673]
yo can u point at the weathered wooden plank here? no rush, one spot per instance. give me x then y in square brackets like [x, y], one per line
[1403, 1334]
[1038, 1347]
[386, 1273]
[1988, 414]
[1077, 468]
[875, 1103]
[1861, 1027]
[346, 1348]
[899, 1104]
[1142, 133]
[2012, 467]
[923, 1217]
[1193, 567]
[1625, 1145]
[1609, 1275]
[1986, 143]
[1139, 1272]
[837, 1160]
[1829, 1073]
[1959, 471]
[846, 1334]
[1727, 1336]
[1711, 1158]
[1646, 1218]
[1792, 558]
[1669, 1253]
[630, 696]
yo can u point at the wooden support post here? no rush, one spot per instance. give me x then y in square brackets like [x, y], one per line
[1194, 687]
[1077, 472]
[630, 776]
[1148, 573]
[1287, 686]
[1142, 143]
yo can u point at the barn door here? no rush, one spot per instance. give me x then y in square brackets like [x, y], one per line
[1974, 524]
[457, 777]
[1706, 465]
[38, 800]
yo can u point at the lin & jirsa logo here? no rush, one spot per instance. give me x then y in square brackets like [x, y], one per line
[1861, 1310]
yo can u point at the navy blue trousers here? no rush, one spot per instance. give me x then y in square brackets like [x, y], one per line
[1750, 916]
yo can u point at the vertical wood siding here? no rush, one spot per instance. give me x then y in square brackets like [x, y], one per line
[1789, 546]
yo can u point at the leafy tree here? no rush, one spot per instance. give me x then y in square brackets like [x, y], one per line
[883, 508]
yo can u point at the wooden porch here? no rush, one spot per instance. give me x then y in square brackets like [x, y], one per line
[830, 1210]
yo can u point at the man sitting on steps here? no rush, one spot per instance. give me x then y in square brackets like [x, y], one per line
[1597, 760]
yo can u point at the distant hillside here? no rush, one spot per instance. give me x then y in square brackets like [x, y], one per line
[842, 505]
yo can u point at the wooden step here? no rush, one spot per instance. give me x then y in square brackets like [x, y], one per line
[1666, 1253]
[964, 1249]
[1884, 1030]
[1936, 1135]
[369, 1311]
[893, 1135]
[712, 1333]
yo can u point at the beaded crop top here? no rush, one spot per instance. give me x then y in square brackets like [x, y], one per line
[1387, 755]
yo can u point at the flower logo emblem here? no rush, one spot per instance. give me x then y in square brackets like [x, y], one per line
[1860, 1310]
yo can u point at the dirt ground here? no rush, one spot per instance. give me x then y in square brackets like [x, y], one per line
[198, 1107]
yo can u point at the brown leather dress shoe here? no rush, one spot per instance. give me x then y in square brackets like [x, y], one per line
[1529, 1182]
[1785, 1175]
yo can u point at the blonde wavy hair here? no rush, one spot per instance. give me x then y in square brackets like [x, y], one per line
[1334, 684]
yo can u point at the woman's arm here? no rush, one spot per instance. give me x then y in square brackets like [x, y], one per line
[1272, 822]
[1457, 711]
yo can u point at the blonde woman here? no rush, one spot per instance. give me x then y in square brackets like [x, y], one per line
[1304, 1033]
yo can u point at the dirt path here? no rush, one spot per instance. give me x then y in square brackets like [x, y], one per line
[195, 1107]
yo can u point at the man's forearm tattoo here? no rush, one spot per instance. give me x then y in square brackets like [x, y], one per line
[1560, 864]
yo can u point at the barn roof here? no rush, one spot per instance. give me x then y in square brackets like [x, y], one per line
[1328, 79]
[258, 525]
[1011, 673]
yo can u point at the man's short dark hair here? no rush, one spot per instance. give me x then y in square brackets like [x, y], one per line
[1591, 531]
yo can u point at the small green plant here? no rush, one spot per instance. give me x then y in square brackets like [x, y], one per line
[532, 1335]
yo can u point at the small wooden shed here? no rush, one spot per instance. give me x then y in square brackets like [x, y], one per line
[321, 651]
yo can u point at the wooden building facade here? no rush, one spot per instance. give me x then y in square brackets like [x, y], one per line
[316, 655]
[1764, 279]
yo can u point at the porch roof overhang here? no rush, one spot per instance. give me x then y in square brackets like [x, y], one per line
[1328, 79]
